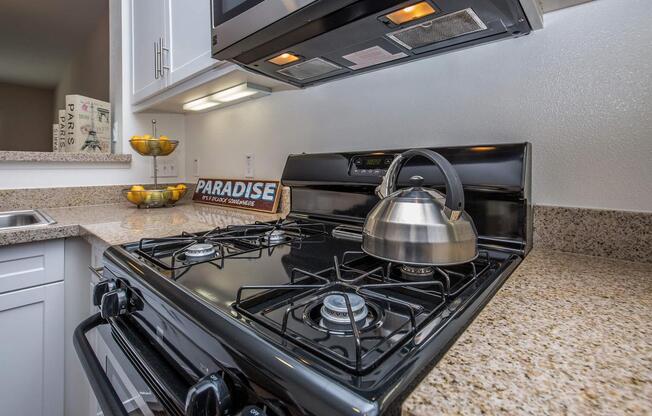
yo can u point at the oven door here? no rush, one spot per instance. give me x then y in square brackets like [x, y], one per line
[134, 393]
[234, 20]
[122, 382]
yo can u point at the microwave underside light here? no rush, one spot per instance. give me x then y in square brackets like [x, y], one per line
[413, 12]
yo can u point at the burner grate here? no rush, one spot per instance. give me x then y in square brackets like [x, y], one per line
[286, 310]
[398, 309]
[233, 241]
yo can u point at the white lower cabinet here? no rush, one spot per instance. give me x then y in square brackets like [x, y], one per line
[31, 351]
[32, 329]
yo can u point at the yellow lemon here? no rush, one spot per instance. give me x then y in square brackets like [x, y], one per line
[140, 145]
[165, 145]
[182, 190]
[135, 194]
[134, 197]
[174, 193]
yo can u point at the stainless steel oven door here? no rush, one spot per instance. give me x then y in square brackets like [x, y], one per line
[234, 20]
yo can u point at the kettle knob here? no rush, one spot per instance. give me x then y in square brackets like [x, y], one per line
[416, 180]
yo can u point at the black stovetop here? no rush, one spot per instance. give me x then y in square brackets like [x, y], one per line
[274, 290]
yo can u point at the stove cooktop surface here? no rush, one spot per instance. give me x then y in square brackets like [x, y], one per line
[293, 281]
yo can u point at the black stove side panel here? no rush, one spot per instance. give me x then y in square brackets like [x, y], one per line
[496, 180]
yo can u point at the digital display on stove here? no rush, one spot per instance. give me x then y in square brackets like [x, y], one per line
[371, 164]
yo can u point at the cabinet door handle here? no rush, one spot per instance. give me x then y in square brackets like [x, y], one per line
[155, 61]
[162, 66]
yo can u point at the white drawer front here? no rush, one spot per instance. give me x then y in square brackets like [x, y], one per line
[30, 264]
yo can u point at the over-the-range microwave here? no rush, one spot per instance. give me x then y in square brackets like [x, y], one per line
[305, 42]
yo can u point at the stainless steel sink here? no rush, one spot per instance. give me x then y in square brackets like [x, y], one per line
[25, 218]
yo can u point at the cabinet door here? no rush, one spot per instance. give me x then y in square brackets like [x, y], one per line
[30, 264]
[147, 29]
[32, 351]
[189, 29]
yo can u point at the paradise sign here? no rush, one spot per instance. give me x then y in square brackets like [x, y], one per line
[239, 193]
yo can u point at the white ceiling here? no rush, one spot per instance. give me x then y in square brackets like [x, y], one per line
[39, 37]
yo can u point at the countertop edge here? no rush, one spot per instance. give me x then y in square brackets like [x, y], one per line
[62, 157]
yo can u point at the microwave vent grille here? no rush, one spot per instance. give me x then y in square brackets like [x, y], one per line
[439, 29]
[309, 69]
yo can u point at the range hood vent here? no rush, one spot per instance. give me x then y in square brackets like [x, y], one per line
[438, 29]
[309, 69]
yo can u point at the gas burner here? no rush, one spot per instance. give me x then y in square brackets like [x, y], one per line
[275, 236]
[417, 273]
[335, 314]
[328, 314]
[199, 251]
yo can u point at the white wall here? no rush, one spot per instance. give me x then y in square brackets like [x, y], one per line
[36, 175]
[580, 90]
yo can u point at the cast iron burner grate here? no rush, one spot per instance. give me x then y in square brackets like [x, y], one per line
[233, 241]
[396, 309]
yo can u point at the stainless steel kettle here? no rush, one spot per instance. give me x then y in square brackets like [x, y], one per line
[417, 225]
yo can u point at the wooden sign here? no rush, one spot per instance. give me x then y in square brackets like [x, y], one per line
[239, 193]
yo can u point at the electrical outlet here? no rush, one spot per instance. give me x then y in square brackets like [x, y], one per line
[195, 167]
[249, 165]
[167, 167]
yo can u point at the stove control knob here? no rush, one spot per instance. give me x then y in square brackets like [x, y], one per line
[100, 289]
[253, 411]
[209, 397]
[114, 303]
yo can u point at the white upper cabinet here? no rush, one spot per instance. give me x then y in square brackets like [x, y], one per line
[189, 39]
[148, 32]
[170, 42]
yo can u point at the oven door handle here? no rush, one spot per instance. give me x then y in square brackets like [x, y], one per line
[104, 392]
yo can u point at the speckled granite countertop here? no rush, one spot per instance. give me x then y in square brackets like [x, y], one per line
[566, 334]
[121, 223]
[59, 157]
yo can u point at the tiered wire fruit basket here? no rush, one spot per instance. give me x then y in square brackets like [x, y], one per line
[154, 196]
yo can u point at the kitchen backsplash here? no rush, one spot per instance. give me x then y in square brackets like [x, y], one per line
[624, 235]
[606, 233]
[13, 199]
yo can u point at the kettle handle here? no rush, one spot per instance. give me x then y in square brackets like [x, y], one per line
[454, 189]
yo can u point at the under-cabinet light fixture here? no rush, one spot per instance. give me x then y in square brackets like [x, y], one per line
[227, 97]
[200, 104]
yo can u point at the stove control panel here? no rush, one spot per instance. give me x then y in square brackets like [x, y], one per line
[371, 164]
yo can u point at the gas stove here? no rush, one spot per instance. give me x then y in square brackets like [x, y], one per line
[292, 317]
